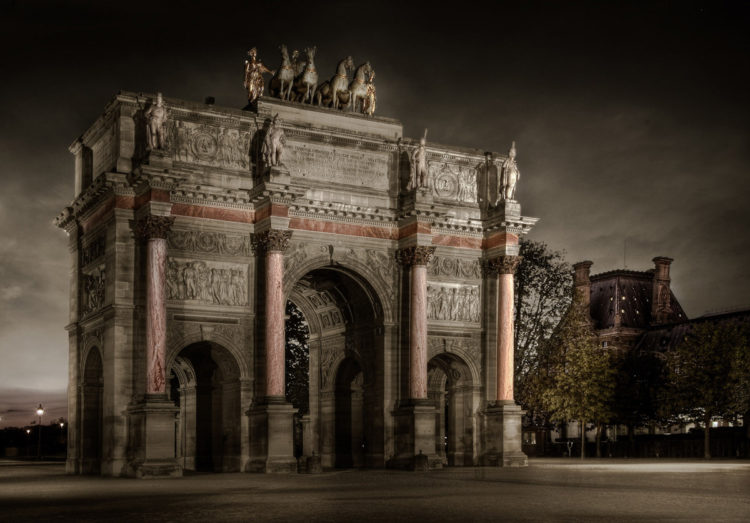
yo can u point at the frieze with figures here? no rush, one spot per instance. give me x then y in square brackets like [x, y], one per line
[297, 253]
[453, 182]
[210, 243]
[456, 303]
[206, 282]
[211, 145]
[454, 267]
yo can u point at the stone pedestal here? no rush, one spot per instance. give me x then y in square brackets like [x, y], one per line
[414, 424]
[279, 174]
[272, 437]
[502, 436]
[160, 159]
[152, 433]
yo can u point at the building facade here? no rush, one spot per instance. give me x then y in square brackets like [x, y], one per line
[191, 227]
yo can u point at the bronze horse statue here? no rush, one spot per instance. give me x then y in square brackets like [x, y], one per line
[358, 88]
[281, 83]
[307, 80]
[336, 92]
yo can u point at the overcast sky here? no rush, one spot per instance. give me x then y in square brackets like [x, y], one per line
[631, 122]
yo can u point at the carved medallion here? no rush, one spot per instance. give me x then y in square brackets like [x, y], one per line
[204, 145]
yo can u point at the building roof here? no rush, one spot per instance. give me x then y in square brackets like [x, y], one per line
[665, 337]
[630, 293]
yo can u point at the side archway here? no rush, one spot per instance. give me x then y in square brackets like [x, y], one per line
[92, 386]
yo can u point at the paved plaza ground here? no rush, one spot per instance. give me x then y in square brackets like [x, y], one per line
[548, 490]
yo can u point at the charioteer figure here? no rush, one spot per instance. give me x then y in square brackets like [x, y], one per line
[254, 71]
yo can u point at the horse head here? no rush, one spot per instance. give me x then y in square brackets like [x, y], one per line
[310, 51]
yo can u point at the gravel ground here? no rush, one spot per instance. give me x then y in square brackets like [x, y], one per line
[548, 490]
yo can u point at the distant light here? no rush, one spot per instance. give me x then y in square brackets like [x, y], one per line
[39, 410]
[28, 431]
[62, 424]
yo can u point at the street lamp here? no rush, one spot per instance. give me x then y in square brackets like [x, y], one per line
[40, 413]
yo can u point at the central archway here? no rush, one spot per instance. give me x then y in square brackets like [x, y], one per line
[345, 320]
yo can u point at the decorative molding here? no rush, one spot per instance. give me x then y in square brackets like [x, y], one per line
[210, 243]
[297, 253]
[414, 255]
[501, 265]
[154, 227]
[270, 241]
[455, 267]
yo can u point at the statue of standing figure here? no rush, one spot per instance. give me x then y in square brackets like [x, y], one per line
[510, 176]
[254, 71]
[419, 175]
[156, 124]
[273, 143]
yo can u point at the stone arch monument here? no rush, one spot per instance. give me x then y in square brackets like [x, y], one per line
[184, 251]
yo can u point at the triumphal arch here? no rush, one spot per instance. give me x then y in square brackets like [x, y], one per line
[191, 227]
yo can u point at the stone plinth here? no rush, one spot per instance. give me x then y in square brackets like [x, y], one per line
[501, 445]
[414, 425]
[272, 437]
[152, 433]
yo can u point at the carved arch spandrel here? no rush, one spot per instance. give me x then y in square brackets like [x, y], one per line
[358, 271]
[176, 341]
[467, 350]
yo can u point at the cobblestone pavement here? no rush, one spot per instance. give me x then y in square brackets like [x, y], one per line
[548, 490]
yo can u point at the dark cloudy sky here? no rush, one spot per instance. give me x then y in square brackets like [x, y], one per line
[631, 121]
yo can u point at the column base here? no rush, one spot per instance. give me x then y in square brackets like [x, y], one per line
[414, 426]
[501, 442]
[152, 438]
[272, 437]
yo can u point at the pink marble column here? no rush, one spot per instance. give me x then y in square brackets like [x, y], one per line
[155, 229]
[274, 243]
[417, 258]
[505, 267]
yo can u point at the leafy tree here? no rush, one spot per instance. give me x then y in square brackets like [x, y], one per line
[708, 374]
[639, 381]
[297, 359]
[542, 294]
[577, 382]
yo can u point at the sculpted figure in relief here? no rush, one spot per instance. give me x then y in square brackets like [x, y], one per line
[156, 124]
[254, 71]
[510, 176]
[419, 175]
[273, 144]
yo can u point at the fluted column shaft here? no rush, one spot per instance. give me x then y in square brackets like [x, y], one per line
[417, 259]
[273, 243]
[154, 230]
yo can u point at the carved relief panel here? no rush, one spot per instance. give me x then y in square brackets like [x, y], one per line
[93, 289]
[453, 302]
[211, 145]
[453, 181]
[206, 282]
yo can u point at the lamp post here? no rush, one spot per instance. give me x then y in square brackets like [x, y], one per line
[40, 413]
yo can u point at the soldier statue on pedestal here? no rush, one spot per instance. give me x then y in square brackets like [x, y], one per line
[156, 124]
[510, 176]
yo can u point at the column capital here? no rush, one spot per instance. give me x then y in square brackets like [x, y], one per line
[501, 265]
[153, 226]
[414, 255]
[272, 240]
